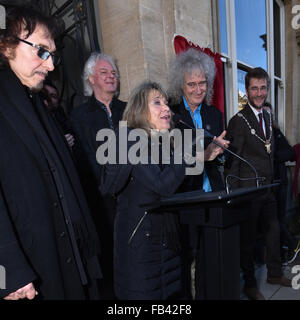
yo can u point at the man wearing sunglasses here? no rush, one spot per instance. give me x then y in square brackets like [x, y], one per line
[48, 242]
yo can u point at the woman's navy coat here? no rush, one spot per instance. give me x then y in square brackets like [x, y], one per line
[145, 268]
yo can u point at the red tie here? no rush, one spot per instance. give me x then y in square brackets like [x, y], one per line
[261, 124]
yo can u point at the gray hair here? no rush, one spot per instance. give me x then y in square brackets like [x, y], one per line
[89, 70]
[188, 62]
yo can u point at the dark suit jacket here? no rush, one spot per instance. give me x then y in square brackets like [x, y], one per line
[248, 146]
[213, 122]
[32, 246]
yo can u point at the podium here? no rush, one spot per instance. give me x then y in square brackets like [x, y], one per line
[218, 214]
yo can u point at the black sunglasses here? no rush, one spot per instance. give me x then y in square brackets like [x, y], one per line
[43, 53]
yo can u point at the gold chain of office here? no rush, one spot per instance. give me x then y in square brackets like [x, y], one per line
[266, 142]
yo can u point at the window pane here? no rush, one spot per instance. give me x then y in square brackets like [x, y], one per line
[277, 98]
[223, 26]
[242, 98]
[277, 40]
[251, 32]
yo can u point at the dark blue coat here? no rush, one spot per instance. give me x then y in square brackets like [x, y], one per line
[145, 268]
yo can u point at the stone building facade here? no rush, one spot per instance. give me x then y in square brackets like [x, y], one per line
[139, 33]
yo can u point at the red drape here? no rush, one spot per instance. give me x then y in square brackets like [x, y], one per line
[182, 44]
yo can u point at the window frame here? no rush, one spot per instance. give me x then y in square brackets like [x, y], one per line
[232, 64]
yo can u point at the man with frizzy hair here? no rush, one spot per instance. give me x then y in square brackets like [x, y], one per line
[48, 244]
[251, 136]
[191, 78]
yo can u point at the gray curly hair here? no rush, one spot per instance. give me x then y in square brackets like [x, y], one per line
[89, 70]
[188, 62]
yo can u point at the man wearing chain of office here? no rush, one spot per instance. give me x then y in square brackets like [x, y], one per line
[251, 136]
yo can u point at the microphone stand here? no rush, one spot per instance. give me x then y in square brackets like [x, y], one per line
[208, 134]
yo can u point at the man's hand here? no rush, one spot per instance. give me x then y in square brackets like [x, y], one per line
[28, 292]
[212, 150]
[70, 139]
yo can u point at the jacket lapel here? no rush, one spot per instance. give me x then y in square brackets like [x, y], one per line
[184, 114]
[250, 116]
[267, 118]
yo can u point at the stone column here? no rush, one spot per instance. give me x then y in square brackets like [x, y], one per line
[139, 34]
[292, 75]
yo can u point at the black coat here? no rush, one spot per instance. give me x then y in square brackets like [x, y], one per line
[283, 153]
[212, 121]
[34, 238]
[147, 267]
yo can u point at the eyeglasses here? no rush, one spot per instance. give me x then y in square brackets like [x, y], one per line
[194, 85]
[43, 53]
[256, 89]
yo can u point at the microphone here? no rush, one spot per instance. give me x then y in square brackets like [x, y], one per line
[177, 119]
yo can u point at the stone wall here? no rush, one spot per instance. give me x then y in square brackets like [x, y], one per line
[140, 35]
[292, 37]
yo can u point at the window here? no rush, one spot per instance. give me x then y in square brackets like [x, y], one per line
[251, 30]
[251, 36]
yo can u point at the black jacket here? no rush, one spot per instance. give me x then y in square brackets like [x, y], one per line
[283, 153]
[213, 122]
[251, 148]
[86, 120]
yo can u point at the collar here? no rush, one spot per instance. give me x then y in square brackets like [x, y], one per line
[97, 103]
[255, 111]
[187, 107]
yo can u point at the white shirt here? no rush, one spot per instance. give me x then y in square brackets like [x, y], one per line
[256, 112]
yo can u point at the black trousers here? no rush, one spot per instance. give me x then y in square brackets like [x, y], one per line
[263, 208]
[286, 238]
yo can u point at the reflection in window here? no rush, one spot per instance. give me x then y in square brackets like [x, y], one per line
[277, 99]
[223, 26]
[251, 32]
[241, 89]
